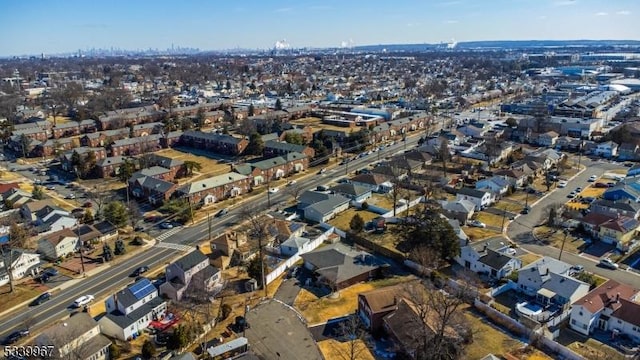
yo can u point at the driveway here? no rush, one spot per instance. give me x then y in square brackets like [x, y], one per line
[276, 332]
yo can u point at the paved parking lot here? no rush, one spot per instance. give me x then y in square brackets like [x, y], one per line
[276, 332]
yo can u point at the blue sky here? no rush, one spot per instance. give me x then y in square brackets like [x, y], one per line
[53, 26]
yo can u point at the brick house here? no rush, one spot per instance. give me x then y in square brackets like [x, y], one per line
[104, 138]
[124, 117]
[306, 133]
[170, 139]
[274, 168]
[34, 133]
[175, 166]
[109, 167]
[278, 148]
[218, 143]
[156, 191]
[66, 159]
[374, 305]
[136, 146]
[73, 128]
[216, 188]
[146, 129]
[54, 146]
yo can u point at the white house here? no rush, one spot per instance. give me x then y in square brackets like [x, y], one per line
[488, 257]
[327, 209]
[78, 337]
[131, 310]
[23, 264]
[481, 199]
[58, 244]
[473, 131]
[496, 184]
[548, 139]
[610, 307]
[190, 275]
[377, 183]
[532, 277]
[294, 245]
[607, 149]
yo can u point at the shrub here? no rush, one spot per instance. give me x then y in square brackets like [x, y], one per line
[225, 311]
[148, 349]
[114, 351]
[365, 205]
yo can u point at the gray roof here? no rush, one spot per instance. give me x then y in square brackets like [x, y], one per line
[112, 160]
[154, 184]
[269, 163]
[191, 259]
[152, 171]
[135, 140]
[126, 320]
[327, 206]
[459, 206]
[545, 266]
[151, 125]
[164, 161]
[243, 169]
[562, 285]
[220, 138]
[495, 260]
[270, 137]
[471, 192]
[295, 242]
[72, 328]
[212, 182]
[284, 146]
[338, 263]
[311, 197]
[350, 189]
[619, 205]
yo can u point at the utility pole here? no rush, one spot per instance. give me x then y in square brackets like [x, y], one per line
[81, 247]
[193, 220]
[504, 216]
[209, 223]
[566, 232]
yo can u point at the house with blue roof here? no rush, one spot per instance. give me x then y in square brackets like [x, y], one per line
[624, 190]
[495, 184]
[131, 310]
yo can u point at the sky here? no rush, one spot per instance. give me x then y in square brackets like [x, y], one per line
[60, 26]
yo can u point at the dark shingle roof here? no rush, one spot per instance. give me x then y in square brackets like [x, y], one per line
[191, 259]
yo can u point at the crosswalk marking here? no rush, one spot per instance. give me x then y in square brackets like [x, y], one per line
[174, 246]
[167, 234]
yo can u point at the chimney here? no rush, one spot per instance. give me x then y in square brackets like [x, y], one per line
[617, 297]
[547, 271]
[236, 237]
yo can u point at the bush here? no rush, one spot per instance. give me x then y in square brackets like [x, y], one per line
[148, 349]
[114, 351]
[365, 205]
[137, 241]
[225, 311]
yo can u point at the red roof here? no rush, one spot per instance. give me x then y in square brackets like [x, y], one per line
[6, 187]
[605, 295]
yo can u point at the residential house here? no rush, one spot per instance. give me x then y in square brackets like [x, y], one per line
[279, 148]
[130, 311]
[473, 131]
[352, 191]
[376, 182]
[267, 170]
[532, 277]
[33, 133]
[110, 166]
[58, 244]
[77, 337]
[23, 264]
[629, 151]
[610, 307]
[294, 245]
[619, 231]
[544, 158]
[53, 147]
[592, 221]
[135, 146]
[29, 210]
[230, 247]
[52, 218]
[24, 146]
[496, 184]
[73, 128]
[606, 149]
[155, 191]
[170, 139]
[548, 139]
[88, 234]
[215, 188]
[461, 210]
[481, 199]
[633, 170]
[489, 257]
[146, 129]
[610, 208]
[517, 177]
[176, 167]
[623, 191]
[339, 266]
[561, 291]
[374, 305]
[320, 206]
[107, 230]
[191, 276]
[16, 198]
[66, 160]
[103, 138]
[218, 143]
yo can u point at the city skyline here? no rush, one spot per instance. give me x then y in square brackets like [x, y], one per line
[47, 27]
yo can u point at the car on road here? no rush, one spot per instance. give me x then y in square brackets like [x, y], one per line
[562, 183]
[593, 178]
[51, 187]
[577, 268]
[71, 196]
[83, 300]
[608, 263]
[15, 336]
[44, 297]
[578, 189]
[292, 182]
[476, 223]
[273, 190]
[322, 171]
[525, 210]
[572, 195]
[601, 185]
[141, 270]
[166, 225]
[222, 212]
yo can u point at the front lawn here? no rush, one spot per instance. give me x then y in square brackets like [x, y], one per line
[342, 220]
[476, 234]
[529, 258]
[555, 237]
[20, 294]
[489, 219]
[333, 349]
[487, 338]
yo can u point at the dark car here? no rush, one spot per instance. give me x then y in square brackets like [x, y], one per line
[43, 278]
[141, 270]
[601, 185]
[51, 271]
[222, 212]
[42, 298]
[15, 336]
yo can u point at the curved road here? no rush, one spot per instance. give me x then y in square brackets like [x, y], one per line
[116, 275]
[520, 229]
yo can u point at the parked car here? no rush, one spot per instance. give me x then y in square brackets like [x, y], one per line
[70, 196]
[273, 190]
[141, 270]
[83, 300]
[51, 271]
[166, 225]
[46, 296]
[322, 171]
[476, 223]
[572, 195]
[611, 184]
[15, 336]
[562, 183]
[601, 185]
[608, 263]
[577, 268]
[593, 178]
[222, 212]
[525, 210]
[51, 187]
[292, 182]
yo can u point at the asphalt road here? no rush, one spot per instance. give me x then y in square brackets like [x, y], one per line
[116, 275]
[520, 230]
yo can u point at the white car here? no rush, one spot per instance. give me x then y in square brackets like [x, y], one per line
[593, 178]
[83, 300]
[608, 263]
[273, 190]
[476, 223]
[292, 182]
[562, 183]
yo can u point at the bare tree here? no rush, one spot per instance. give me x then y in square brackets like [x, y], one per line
[294, 190]
[259, 230]
[352, 332]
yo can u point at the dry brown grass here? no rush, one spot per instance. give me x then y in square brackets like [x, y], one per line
[382, 201]
[489, 219]
[529, 258]
[343, 219]
[476, 234]
[556, 237]
[20, 294]
[487, 339]
[210, 167]
[592, 191]
[332, 349]
[317, 310]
